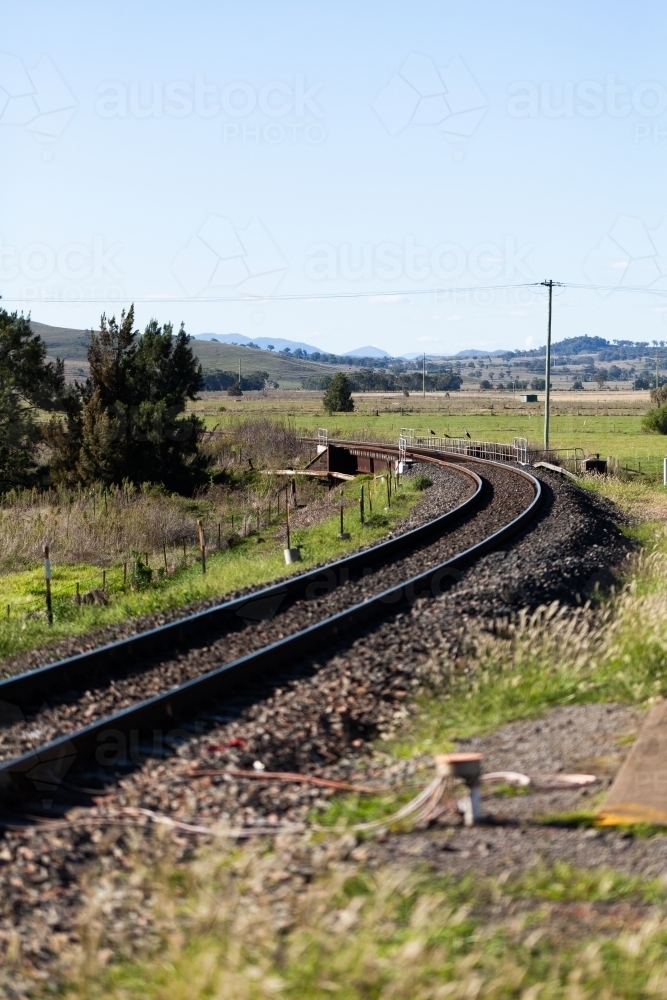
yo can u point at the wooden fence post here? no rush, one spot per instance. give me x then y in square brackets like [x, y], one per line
[47, 581]
[202, 546]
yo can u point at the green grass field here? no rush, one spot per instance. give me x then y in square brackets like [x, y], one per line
[23, 623]
[608, 424]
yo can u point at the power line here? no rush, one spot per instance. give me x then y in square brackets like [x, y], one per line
[327, 296]
[292, 297]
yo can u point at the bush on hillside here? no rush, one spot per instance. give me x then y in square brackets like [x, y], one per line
[655, 421]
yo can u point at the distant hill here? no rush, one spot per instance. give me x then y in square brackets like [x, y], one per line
[472, 353]
[580, 345]
[62, 342]
[279, 343]
[280, 367]
[70, 345]
[366, 352]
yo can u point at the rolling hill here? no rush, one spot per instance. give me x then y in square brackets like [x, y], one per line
[70, 345]
[240, 338]
[226, 357]
[62, 342]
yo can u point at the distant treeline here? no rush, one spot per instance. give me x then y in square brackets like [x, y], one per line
[214, 381]
[367, 380]
[605, 350]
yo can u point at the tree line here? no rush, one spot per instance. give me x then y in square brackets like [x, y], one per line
[126, 421]
[219, 381]
[367, 380]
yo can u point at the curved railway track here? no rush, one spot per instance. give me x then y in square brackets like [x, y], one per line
[136, 698]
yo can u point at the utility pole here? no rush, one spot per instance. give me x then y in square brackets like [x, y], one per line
[547, 369]
[239, 373]
[424, 376]
[657, 370]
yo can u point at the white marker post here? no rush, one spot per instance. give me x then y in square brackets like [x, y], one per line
[664, 472]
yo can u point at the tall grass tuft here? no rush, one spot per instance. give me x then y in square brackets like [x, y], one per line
[238, 926]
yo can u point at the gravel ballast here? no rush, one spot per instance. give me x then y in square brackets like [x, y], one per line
[319, 722]
[507, 495]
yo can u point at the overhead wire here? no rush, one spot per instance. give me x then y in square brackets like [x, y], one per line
[331, 296]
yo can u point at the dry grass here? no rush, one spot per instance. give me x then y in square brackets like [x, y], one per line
[100, 525]
[260, 442]
[644, 501]
[615, 650]
[238, 926]
[92, 525]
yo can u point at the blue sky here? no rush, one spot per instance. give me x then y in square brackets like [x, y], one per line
[398, 175]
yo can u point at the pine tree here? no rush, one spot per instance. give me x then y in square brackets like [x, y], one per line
[27, 383]
[131, 423]
[338, 398]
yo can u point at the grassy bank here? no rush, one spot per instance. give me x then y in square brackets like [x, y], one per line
[614, 652]
[249, 562]
[231, 926]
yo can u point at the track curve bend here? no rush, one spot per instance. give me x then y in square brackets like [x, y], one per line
[145, 688]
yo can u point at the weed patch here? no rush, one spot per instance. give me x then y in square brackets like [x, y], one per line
[228, 930]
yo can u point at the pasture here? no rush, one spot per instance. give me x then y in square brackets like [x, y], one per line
[607, 423]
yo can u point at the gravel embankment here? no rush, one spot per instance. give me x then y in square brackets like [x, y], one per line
[510, 495]
[319, 722]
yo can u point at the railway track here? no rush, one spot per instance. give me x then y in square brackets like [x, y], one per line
[87, 719]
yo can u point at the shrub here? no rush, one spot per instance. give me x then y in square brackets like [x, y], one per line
[376, 521]
[422, 483]
[655, 421]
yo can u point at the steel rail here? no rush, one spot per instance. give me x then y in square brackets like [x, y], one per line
[95, 664]
[42, 769]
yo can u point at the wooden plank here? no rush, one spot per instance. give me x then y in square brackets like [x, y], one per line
[639, 791]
